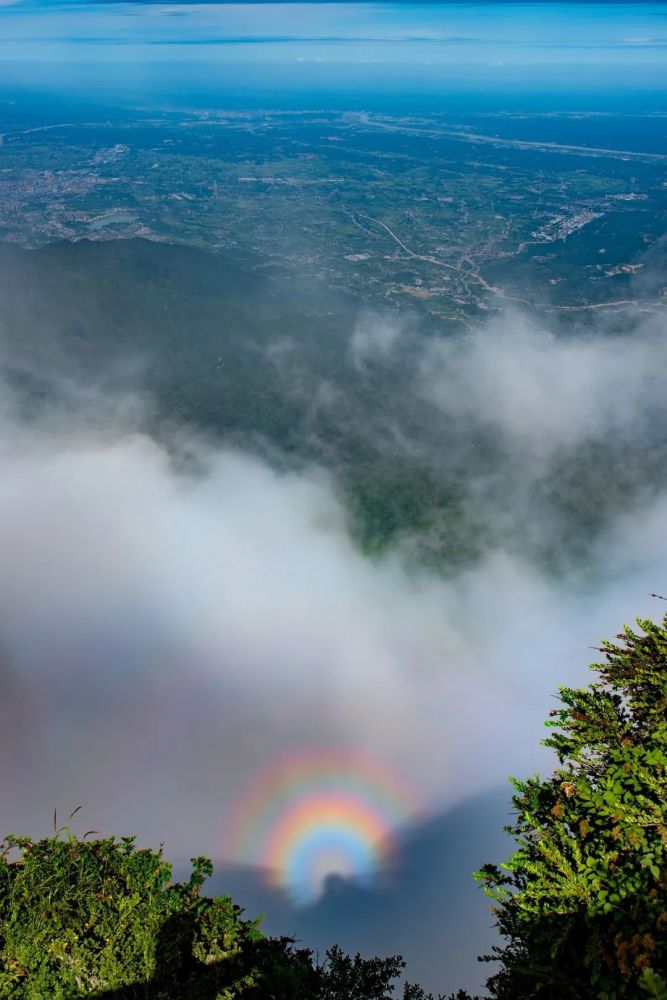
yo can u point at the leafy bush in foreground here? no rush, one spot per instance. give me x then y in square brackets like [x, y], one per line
[102, 919]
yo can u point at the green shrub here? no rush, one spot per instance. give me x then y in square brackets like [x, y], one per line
[79, 917]
[582, 903]
[101, 918]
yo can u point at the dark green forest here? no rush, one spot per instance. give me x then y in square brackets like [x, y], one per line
[580, 906]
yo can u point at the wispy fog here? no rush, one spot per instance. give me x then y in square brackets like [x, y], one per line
[175, 611]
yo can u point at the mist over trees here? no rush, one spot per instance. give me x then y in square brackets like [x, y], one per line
[333, 428]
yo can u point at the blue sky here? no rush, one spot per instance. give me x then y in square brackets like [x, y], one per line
[617, 35]
[584, 47]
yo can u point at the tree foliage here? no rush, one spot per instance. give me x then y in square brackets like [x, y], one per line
[102, 918]
[582, 902]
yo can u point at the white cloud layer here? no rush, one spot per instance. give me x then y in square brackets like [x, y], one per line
[169, 626]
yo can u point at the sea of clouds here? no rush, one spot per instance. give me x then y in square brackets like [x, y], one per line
[176, 612]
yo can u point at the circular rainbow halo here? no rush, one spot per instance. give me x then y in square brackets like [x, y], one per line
[319, 813]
